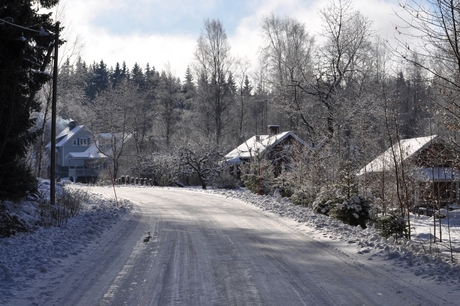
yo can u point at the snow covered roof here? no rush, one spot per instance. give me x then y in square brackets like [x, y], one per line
[405, 149]
[257, 144]
[66, 134]
[91, 153]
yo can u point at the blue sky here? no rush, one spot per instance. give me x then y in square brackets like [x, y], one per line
[164, 33]
[179, 18]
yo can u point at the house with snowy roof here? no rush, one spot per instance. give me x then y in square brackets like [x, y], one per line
[78, 156]
[278, 148]
[430, 163]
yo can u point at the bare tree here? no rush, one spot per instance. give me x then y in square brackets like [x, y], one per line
[202, 162]
[312, 80]
[110, 121]
[168, 98]
[213, 69]
[322, 85]
[244, 95]
[428, 38]
[342, 57]
[287, 54]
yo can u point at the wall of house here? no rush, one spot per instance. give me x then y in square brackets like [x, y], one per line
[436, 155]
[282, 154]
[81, 144]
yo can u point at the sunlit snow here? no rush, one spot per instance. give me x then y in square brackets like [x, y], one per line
[36, 259]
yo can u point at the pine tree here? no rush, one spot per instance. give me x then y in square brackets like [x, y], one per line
[189, 87]
[116, 75]
[247, 88]
[26, 45]
[98, 79]
[188, 90]
[230, 87]
[137, 76]
[152, 78]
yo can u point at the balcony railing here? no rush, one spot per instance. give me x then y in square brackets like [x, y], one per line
[79, 172]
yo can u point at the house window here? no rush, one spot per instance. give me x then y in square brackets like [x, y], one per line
[75, 142]
[83, 141]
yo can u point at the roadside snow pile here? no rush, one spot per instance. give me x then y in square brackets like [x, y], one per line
[417, 256]
[27, 255]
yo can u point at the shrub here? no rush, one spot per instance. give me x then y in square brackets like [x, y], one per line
[162, 169]
[283, 185]
[391, 225]
[303, 197]
[259, 177]
[10, 224]
[252, 181]
[68, 204]
[354, 211]
[72, 201]
[226, 181]
[324, 201]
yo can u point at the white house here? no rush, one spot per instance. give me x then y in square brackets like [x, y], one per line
[77, 155]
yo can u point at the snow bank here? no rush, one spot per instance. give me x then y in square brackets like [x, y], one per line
[29, 256]
[430, 261]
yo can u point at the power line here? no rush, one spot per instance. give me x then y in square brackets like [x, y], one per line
[41, 32]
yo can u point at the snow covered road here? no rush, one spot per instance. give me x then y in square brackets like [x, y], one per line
[189, 247]
[206, 249]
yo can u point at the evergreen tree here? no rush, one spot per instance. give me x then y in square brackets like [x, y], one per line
[98, 79]
[189, 86]
[81, 74]
[26, 46]
[115, 76]
[231, 88]
[188, 90]
[72, 85]
[247, 88]
[152, 78]
[137, 76]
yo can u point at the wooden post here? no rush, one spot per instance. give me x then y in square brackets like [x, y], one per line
[53, 118]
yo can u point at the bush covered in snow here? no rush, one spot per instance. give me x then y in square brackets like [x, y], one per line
[224, 180]
[161, 168]
[69, 203]
[303, 196]
[10, 224]
[353, 211]
[255, 184]
[323, 201]
[391, 225]
[36, 210]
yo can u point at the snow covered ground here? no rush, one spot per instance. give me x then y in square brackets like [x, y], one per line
[28, 259]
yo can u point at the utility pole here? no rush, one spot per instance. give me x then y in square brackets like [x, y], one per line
[53, 118]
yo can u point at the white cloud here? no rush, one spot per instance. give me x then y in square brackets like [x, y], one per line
[177, 50]
[159, 51]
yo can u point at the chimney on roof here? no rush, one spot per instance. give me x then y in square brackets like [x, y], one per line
[273, 130]
[72, 124]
